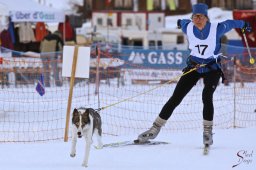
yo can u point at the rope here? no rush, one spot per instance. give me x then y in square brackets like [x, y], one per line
[145, 92]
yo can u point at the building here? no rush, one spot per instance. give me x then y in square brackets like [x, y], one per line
[169, 7]
[139, 22]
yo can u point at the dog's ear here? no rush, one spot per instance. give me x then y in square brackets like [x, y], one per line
[87, 111]
[86, 114]
[85, 117]
[75, 112]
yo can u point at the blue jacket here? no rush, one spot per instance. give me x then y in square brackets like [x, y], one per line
[222, 28]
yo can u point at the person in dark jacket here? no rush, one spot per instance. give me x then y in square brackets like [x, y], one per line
[6, 39]
[50, 48]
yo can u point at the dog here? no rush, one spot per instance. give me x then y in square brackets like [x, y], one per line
[85, 122]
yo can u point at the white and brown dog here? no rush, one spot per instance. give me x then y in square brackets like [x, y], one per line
[85, 122]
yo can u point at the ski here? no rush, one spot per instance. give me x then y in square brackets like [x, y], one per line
[129, 143]
[206, 149]
[117, 144]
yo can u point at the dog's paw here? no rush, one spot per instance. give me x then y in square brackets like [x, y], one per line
[72, 155]
[84, 165]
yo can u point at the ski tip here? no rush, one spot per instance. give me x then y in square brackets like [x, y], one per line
[137, 141]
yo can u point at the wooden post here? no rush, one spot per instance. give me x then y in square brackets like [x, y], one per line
[72, 80]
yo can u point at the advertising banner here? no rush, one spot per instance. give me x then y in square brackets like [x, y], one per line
[154, 59]
[37, 16]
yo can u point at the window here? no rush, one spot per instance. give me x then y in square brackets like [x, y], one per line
[180, 39]
[118, 3]
[99, 21]
[123, 4]
[159, 19]
[128, 3]
[109, 22]
[157, 4]
[89, 4]
[128, 22]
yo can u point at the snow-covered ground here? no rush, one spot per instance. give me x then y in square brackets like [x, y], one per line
[231, 147]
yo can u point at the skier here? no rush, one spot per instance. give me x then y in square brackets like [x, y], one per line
[204, 40]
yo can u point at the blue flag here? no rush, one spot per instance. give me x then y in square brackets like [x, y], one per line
[40, 85]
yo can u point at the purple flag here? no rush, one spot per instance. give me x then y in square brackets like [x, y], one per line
[40, 86]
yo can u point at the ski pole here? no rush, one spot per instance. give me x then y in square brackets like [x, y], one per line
[252, 61]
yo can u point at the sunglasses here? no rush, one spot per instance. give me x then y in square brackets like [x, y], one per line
[198, 16]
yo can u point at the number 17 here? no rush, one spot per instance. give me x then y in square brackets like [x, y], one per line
[203, 48]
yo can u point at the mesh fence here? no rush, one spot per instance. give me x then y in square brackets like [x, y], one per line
[134, 84]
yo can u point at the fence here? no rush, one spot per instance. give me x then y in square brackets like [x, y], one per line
[135, 76]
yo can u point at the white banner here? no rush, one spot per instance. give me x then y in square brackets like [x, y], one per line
[83, 61]
[106, 62]
[151, 74]
[20, 62]
[37, 16]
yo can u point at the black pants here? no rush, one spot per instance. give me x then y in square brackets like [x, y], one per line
[185, 84]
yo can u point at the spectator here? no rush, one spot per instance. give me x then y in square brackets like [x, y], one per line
[69, 32]
[50, 46]
[6, 40]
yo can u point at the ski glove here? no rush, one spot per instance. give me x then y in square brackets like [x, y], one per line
[178, 23]
[246, 27]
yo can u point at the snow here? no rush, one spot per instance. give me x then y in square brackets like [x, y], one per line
[183, 153]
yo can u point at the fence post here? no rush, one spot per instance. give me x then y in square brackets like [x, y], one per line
[234, 70]
[72, 80]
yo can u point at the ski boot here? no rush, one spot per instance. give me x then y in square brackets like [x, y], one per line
[207, 134]
[152, 132]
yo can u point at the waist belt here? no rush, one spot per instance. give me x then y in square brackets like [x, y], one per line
[192, 64]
